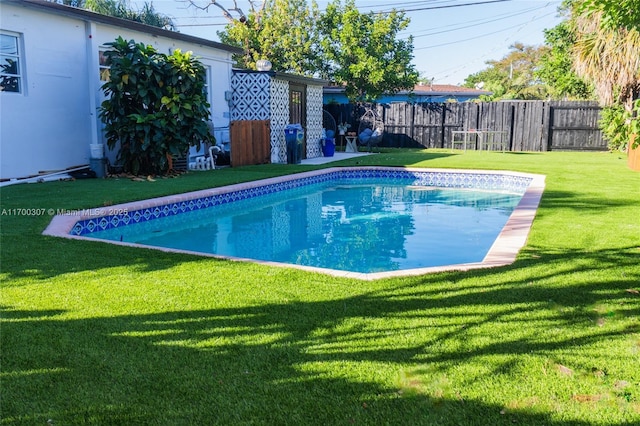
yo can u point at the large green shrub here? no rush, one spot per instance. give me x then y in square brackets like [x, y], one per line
[618, 125]
[156, 105]
[614, 129]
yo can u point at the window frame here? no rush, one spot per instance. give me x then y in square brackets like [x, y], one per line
[207, 84]
[104, 68]
[19, 75]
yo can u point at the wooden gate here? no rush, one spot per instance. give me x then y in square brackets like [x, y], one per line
[250, 142]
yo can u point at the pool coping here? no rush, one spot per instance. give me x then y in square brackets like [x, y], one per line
[503, 252]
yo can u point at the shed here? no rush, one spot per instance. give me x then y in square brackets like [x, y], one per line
[282, 99]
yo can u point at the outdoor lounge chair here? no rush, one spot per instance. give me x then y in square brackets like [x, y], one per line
[371, 129]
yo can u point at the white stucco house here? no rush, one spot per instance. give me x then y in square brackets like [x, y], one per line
[50, 78]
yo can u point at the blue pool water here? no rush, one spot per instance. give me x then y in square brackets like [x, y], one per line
[368, 226]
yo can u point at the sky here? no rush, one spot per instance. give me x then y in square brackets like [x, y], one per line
[452, 38]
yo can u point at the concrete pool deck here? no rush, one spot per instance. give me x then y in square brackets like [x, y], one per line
[337, 156]
[503, 252]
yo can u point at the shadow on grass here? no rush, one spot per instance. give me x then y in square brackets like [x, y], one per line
[380, 357]
[526, 153]
[583, 202]
[396, 157]
[319, 362]
[161, 369]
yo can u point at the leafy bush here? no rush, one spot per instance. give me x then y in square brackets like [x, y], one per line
[634, 123]
[156, 105]
[618, 125]
[612, 123]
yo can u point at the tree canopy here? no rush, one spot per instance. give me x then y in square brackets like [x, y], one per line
[363, 51]
[360, 51]
[514, 76]
[555, 67]
[607, 54]
[615, 13]
[282, 31]
[122, 9]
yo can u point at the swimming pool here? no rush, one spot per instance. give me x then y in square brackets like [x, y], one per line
[161, 219]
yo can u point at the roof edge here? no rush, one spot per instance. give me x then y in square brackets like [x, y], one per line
[427, 92]
[87, 15]
[286, 76]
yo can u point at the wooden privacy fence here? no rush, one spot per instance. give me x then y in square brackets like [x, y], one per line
[528, 125]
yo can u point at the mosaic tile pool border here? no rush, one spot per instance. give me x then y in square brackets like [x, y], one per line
[503, 252]
[122, 217]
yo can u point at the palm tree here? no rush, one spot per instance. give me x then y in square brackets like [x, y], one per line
[122, 9]
[608, 57]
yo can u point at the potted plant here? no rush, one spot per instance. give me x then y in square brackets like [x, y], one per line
[342, 128]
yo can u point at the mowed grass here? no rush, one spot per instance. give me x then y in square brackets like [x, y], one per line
[93, 333]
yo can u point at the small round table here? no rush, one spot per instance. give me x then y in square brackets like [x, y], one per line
[351, 144]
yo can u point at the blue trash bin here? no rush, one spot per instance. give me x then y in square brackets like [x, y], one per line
[294, 136]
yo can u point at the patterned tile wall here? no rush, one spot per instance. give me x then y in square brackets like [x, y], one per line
[314, 121]
[250, 96]
[279, 104]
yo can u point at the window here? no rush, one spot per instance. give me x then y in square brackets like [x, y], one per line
[105, 67]
[207, 79]
[10, 63]
[297, 104]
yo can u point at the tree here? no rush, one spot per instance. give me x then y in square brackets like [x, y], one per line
[607, 53]
[615, 13]
[555, 67]
[360, 51]
[363, 53]
[282, 31]
[609, 58]
[155, 105]
[122, 9]
[513, 76]
[255, 7]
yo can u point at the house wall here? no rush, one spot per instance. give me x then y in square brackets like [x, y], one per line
[47, 126]
[50, 125]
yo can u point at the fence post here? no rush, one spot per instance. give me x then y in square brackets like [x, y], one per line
[549, 129]
[511, 126]
[443, 117]
[412, 132]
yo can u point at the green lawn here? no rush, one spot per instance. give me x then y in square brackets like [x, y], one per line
[93, 333]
